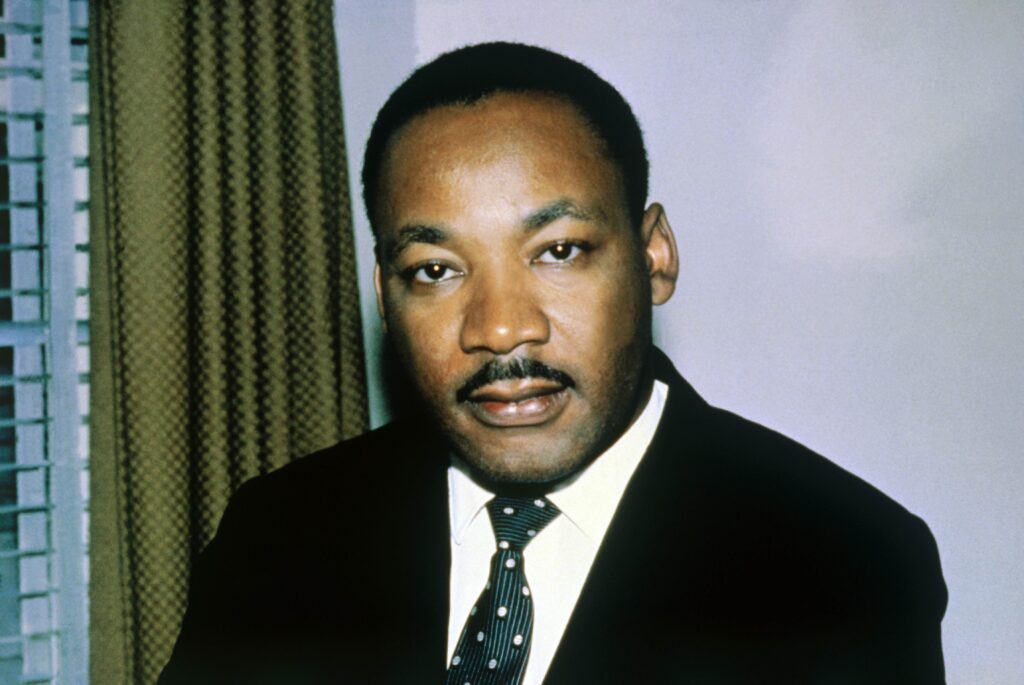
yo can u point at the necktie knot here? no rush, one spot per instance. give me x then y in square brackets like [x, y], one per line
[517, 520]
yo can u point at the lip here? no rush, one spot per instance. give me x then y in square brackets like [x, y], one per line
[518, 403]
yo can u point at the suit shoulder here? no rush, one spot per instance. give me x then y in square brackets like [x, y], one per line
[396, 453]
[787, 467]
[396, 445]
[790, 500]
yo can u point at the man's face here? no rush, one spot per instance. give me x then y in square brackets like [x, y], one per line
[515, 290]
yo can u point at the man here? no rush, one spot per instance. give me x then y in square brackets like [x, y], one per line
[565, 509]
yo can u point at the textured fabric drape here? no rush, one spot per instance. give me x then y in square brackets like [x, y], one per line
[224, 310]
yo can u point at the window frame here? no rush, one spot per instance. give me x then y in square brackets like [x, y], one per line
[59, 334]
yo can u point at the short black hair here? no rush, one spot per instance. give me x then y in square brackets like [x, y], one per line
[475, 72]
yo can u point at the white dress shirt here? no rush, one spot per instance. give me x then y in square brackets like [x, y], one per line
[558, 560]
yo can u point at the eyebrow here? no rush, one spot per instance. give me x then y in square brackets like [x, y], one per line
[554, 211]
[416, 233]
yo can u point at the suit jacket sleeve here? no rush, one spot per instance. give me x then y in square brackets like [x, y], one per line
[215, 618]
[918, 642]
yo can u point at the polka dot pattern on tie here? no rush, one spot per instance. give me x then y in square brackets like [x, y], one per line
[495, 641]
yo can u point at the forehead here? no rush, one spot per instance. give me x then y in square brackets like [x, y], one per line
[532, 144]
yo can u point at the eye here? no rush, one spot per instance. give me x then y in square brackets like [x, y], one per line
[431, 273]
[561, 252]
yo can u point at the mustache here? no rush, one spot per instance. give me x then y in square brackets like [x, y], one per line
[518, 368]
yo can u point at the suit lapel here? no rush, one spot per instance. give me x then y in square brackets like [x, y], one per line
[623, 603]
[429, 560]
[403, 595]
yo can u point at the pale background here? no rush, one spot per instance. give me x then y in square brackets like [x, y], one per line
[845, 182]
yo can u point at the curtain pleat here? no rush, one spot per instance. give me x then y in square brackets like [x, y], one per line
[225, 315]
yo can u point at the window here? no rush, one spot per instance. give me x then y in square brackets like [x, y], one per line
[43, 341]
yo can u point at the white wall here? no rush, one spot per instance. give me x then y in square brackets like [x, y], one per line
[845, 184]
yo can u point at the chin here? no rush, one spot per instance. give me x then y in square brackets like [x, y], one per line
[532, 467]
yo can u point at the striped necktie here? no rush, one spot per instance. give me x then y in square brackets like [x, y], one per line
[495, 641]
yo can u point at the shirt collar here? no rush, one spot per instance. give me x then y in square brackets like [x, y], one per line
[467, 499]
[589, 499]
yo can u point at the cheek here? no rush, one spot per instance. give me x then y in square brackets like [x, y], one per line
[600, 318]
[427, 338]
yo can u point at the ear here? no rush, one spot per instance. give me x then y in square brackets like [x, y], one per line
[379, 289]
[660, 253]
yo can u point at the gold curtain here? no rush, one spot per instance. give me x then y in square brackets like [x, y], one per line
[225, 318]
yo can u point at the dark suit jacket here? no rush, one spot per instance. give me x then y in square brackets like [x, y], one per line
[736, 556]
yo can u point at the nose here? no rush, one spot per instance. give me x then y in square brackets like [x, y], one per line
[501, 316]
